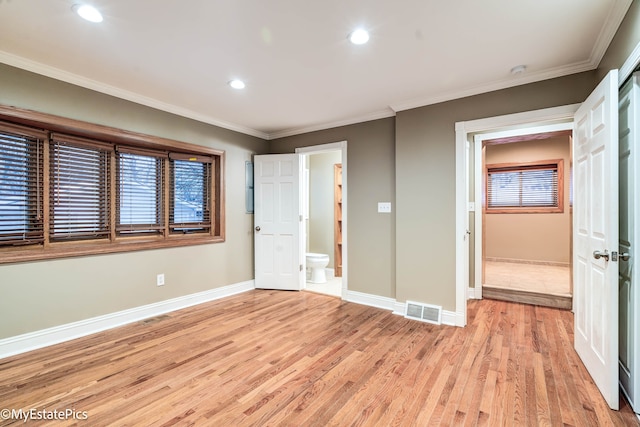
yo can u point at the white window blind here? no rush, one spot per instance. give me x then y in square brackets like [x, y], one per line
[523, 187]
[21, 206]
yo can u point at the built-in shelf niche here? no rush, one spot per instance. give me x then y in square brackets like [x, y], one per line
[337, 215]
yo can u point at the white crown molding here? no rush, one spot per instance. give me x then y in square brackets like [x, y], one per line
[497, 85]
[383, 114]
[57, 334]
[608, 31]
[67, 77]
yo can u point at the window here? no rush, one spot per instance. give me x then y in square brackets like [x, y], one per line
[70, 188]
[190, 207]
[525, 187]
[79, 189]
[139, 204]
[21, 186]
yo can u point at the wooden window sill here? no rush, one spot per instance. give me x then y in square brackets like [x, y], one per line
[75, 249]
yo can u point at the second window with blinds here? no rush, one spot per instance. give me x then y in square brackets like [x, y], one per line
[536, 187]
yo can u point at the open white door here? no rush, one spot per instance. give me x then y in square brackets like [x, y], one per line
[595, 263]
[629, 346]
[277, 222]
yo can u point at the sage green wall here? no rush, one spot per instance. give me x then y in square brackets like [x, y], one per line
[43, 294]
[321, 203]
[544, 237]
[425, 179]
[370, 179]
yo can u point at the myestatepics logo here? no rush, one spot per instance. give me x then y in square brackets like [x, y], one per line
[43, 414]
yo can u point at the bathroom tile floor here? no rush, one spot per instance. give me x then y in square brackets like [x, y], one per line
[545, 279]
[332, 287]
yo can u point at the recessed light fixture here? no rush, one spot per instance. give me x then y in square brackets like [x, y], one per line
[237, 84]
[87, 12]
[518, 69]
[359, 36]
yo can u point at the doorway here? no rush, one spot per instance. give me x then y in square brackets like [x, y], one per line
[469, 159]
[324, 203]
[526, 219]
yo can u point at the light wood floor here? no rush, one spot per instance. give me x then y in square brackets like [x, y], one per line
[274, 358]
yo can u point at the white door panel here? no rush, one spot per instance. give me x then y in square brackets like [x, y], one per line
[596, 236]
[277, 222]
[629, 298]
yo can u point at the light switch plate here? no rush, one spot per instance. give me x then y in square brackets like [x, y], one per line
[384, 207]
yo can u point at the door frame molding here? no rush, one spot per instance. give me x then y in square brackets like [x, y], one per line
[342, 147]
[632, 61]
[478, 193]
[465, 132]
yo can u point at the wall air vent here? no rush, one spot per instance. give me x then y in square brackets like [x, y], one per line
[424, 312]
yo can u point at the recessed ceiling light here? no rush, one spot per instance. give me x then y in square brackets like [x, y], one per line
[518, 69]
[359, 36]
[87, 12]
[237, 84]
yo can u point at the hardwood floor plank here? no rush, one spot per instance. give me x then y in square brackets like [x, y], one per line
[271, 358]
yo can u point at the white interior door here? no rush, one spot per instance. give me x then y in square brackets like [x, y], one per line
[595, 264]
[629, 297]
[277, 222]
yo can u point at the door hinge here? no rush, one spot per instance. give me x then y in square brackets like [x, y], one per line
[300, 218]
[300, 267]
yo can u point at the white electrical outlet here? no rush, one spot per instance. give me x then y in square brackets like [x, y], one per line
[160, 280]
[384, 207]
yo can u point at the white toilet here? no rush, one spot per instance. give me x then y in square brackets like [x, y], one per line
[317, 263]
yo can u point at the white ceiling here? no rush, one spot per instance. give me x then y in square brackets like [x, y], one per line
[301, 72]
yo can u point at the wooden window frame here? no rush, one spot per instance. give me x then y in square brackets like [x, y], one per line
[557, 164]
[114, 243]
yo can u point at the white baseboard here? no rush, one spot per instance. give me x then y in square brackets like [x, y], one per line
[400, 308]
[474, 293]
[370, 300]
[450, 318]
[57, 334]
